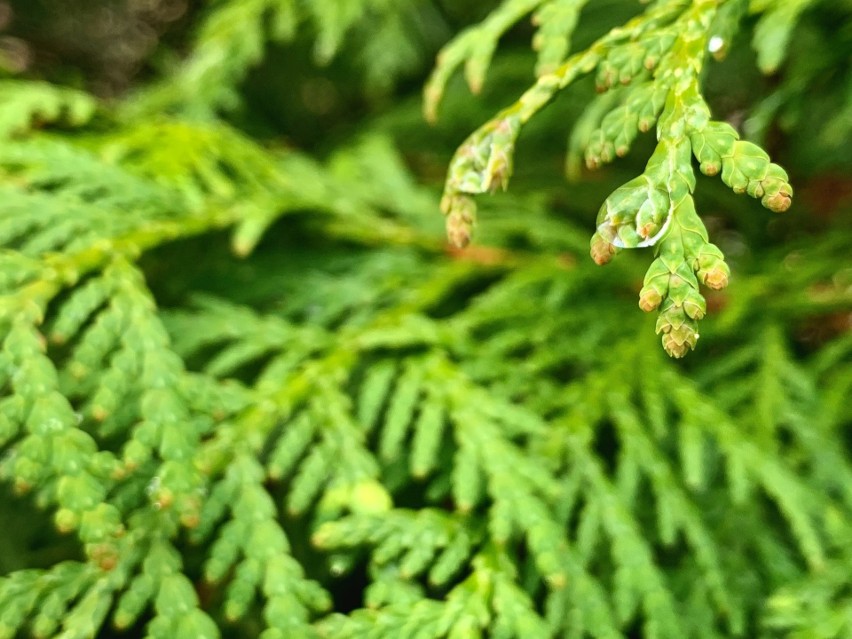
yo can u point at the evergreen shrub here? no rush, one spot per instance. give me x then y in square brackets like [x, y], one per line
[249, 389]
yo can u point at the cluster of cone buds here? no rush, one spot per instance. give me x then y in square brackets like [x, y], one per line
[631, 59]
[639, 214]
[679, 331]
[619, 127]
[671, 288]
[745, 167]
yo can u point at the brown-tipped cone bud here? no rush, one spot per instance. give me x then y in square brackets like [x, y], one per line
[606, 77]
[775, 191]
[601, 250]
[679, 341]
[716, 277]
[459, 230]
[778, 202]
[711, 167]
[649, 229]
[461, 215]
[649, 299]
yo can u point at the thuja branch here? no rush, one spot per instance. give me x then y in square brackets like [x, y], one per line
[655, 60]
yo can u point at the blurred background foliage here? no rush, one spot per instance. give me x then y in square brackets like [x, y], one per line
[793, 270]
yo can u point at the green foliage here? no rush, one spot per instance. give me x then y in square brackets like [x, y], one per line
[25, 104]
[233, 36]
[340, 427]
[656, 61]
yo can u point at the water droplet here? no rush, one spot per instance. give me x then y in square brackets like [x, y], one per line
[715, 45]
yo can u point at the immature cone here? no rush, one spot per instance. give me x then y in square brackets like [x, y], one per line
[679, 332]
[678, 342]
[710, 267]
[775, 191]
[649, 299]
[717, 277]
[599, 150]
[601, 250]
[621, 65]
[778, 202]
[461, 216]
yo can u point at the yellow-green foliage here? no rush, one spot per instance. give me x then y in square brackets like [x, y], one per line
[338, 427]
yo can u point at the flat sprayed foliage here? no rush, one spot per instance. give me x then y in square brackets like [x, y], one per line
[247, 389]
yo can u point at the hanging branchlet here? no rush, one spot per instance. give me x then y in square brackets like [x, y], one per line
[745, 167]
[617, 130]
[653, 64]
